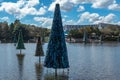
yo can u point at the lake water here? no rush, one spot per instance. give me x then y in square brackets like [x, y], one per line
[87, 62]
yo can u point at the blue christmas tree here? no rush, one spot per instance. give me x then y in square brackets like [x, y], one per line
[56, 56]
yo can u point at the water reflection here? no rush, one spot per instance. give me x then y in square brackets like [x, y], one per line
[87, 62]
[39, 71]
[60, 76]
[20, 66]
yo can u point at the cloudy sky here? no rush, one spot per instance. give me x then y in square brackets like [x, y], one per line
[74, 12]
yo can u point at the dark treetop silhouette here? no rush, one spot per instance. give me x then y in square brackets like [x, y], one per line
[56, 56]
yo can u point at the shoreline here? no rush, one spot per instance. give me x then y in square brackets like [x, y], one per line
[89, 41]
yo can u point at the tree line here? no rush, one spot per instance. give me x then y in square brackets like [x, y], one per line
[8, 32]
[109, 32]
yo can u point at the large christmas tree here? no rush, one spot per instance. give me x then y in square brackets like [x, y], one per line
[56, 56]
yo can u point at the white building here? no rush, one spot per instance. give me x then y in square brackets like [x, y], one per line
[72, 27]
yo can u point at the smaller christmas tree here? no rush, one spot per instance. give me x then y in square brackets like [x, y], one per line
[39, 50]
[20, 43]
[85, 37]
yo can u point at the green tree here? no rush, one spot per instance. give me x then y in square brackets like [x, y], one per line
[17, 22]
[11, 31]
[75, 33]
[0, 31]
[5, 33]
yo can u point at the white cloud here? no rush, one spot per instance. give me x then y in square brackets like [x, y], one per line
[102, 3]
[65, 5]
[106, 19]
[81, 1]
[31, 3]
[96, 18]
[4, 18]
[40, 19]
[114, 7]
[118, 23]
[45, 22]
[22, 8]
[70, 22]
[41, 11]
[81, 8]
[83, 16]
[109, 4]
[87, 16]
[65, 16]
[109, 17]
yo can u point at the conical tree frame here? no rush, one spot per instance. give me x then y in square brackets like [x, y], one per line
[20, 43]
[56, 56]
[39, 49]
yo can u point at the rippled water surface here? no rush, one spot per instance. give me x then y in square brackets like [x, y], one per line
[87, 62]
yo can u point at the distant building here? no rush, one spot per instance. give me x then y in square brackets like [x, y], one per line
[68, 28]
[72, 27]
